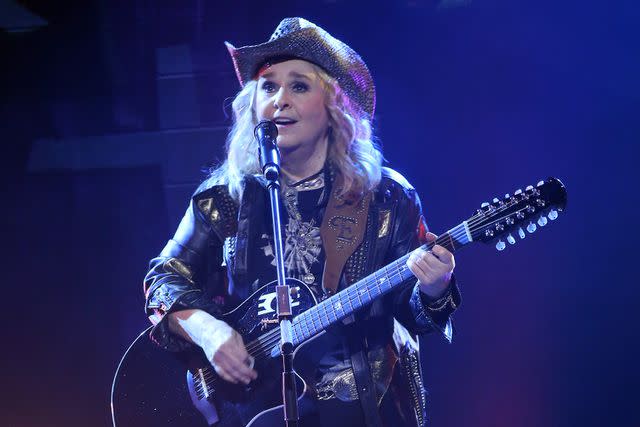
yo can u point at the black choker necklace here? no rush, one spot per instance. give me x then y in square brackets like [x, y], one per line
[311, 182]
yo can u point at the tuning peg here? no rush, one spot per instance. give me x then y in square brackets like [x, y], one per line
[484, 205]
[529, 187]
[531, 227]
[511, 239]
[540, 183]
[521, 233]
[553, 214]
[518, 191]
[506, 196]
[542, 221]
[500, 245]
[495, 200]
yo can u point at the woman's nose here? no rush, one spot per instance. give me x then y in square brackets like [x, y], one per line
[280, 100]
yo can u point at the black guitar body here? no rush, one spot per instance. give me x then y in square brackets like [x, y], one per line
[154, 387]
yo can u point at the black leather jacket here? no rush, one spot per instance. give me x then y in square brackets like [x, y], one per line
[206, 266]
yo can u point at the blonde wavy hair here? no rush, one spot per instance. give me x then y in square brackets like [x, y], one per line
[351, 148]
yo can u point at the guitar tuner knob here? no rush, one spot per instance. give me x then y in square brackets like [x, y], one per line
[511, 239]
[553, 214]
[529, 188]
[518, 192]
[542, 221]
[531, 227]
[521, 233]
[495, 200]
[484, 205]
[506, 196]
[540, 183]
[500, 245]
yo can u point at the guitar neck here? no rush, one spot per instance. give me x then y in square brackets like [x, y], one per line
[344, 303]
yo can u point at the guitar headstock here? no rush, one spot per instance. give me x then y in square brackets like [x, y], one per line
[518, 214]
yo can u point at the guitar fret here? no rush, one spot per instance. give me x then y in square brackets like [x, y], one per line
[366, 288]
[332, 311]
[310, 330]
[379, 282]
[350, 302]
[337, 307]
[324, 308]
[399, 270]
[352, 299]
[313, 321]
[359, 298]
[319, 315]
[298, 333]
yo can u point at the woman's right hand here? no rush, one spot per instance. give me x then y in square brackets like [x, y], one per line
[222, 345]
[225, 350]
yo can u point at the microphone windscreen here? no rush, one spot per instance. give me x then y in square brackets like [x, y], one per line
[265, 129]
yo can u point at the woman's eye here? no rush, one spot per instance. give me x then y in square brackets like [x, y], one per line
[268, 87]
[300, 87]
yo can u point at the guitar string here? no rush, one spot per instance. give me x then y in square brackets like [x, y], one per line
[268, 340]
[273, 335]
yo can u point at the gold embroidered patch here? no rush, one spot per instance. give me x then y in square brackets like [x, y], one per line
[209, 209]
[178, 267]
[205, 205]
[384, 219]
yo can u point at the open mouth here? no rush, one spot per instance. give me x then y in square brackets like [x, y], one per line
[284, 122]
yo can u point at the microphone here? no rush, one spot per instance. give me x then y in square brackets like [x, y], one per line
[266, 133]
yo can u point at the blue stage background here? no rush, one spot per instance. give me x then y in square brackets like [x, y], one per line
[110, 111]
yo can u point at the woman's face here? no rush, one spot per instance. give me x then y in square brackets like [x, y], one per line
[291, 94]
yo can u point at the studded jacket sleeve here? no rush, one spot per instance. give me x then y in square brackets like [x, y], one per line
[177, 277]
[412, 308]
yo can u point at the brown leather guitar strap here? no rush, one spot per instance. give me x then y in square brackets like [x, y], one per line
[342, 231]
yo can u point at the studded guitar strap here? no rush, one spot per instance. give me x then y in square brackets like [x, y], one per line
[342, 231]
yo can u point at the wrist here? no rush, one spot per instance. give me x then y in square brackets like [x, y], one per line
[437, 290]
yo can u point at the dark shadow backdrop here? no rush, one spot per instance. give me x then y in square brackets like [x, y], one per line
[102, 107]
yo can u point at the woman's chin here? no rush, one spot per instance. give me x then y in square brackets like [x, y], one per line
[286, 143]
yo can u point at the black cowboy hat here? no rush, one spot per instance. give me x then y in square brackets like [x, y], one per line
[299, 38]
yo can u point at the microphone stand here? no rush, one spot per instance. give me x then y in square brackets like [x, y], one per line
[283, 294]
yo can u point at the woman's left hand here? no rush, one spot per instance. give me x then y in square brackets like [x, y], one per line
[432, 268]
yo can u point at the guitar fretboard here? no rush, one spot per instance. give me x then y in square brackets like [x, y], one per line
[363, 292]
